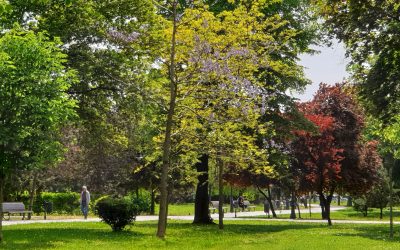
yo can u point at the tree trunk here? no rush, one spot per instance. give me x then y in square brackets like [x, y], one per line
[32, 193]
[201, 211]
[231, 201]
[298, 210]
[293, 207]
[269, 200]
[153, 201]
[381, 214]
[220, 191]
[349, 201]
[326, 203]
[322, 204]
[338, 200]
[2, 179]
[163, 214]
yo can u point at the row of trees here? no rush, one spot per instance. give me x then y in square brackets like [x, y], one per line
[159, 92]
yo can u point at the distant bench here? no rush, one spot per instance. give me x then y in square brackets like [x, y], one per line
[14, 208]
[247, 206]
[215, 206]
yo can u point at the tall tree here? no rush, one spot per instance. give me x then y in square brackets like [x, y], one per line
[34, 104]
[108, 44]
[371, 32]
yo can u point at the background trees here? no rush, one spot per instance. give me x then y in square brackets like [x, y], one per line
[370, 31]
[34, 104]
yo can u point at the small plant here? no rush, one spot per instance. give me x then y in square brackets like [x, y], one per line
[116, 212]
[141, 204]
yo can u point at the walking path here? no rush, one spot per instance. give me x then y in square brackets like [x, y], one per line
[227, 216]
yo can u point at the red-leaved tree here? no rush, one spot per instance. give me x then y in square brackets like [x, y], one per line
[317, 160]
[336, 157]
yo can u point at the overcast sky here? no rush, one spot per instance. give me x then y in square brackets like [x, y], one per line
[329, 67]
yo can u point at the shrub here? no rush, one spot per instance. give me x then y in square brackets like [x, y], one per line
[116, 212]
[63, 203]
[141, 204]
[360, 205]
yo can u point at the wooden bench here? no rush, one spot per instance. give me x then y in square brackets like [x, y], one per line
[14, 208]
[247, 205]
[215, 206]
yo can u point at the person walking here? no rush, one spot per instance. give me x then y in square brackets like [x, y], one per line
[84, 201]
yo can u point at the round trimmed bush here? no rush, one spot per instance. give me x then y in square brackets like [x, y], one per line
[116, 212]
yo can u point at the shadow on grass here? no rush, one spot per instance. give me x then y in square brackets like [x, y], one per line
[51, 236]
[373, 232]
[237, 227]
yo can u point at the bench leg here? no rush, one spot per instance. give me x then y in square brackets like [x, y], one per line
[4, 216]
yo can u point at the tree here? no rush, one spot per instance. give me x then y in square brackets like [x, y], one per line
[34, 104]
[317, 160]
[350, 174]
[378, 197]
[389, 141]
[112, 46]
[370, 31]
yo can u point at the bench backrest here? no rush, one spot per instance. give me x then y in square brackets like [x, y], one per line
[13, 206]
[246, 203]
[215, 204]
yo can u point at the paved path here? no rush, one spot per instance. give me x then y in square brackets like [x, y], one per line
[227, 216]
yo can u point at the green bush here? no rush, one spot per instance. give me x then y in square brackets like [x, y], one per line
[63, 203]
[360, 205]
[116, 212]
[141, 204]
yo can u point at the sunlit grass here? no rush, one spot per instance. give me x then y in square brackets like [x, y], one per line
[184, 235]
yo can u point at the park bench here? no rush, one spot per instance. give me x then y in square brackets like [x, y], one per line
[247, 205]
[14, 208]
[215, 206]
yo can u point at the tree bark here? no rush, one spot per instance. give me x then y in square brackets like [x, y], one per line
[220, 166]
[163, 213]
[201, 211]
[326, 203]
[390, 162]
[293, 207]
[2, 179]
[153, 201]
[269, 200]
[32, 193]
[298, 210]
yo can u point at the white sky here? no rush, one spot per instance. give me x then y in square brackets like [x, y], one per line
[329, 67]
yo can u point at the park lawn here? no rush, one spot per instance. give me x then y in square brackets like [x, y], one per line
[188, 208]
[345, 214]
[184, 235]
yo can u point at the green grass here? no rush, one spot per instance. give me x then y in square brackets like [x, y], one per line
[188, 208]
[345, 214]
[183, 235]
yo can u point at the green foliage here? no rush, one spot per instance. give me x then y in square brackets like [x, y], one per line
[34, 104]
[63, 203]
[142, 203]
[370, 30]
[360, 205]
[116, 212]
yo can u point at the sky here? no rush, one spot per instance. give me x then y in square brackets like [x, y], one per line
[329, 66]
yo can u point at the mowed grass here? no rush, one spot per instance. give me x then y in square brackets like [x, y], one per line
[345, 214]
[184, 235]
[188, 208]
